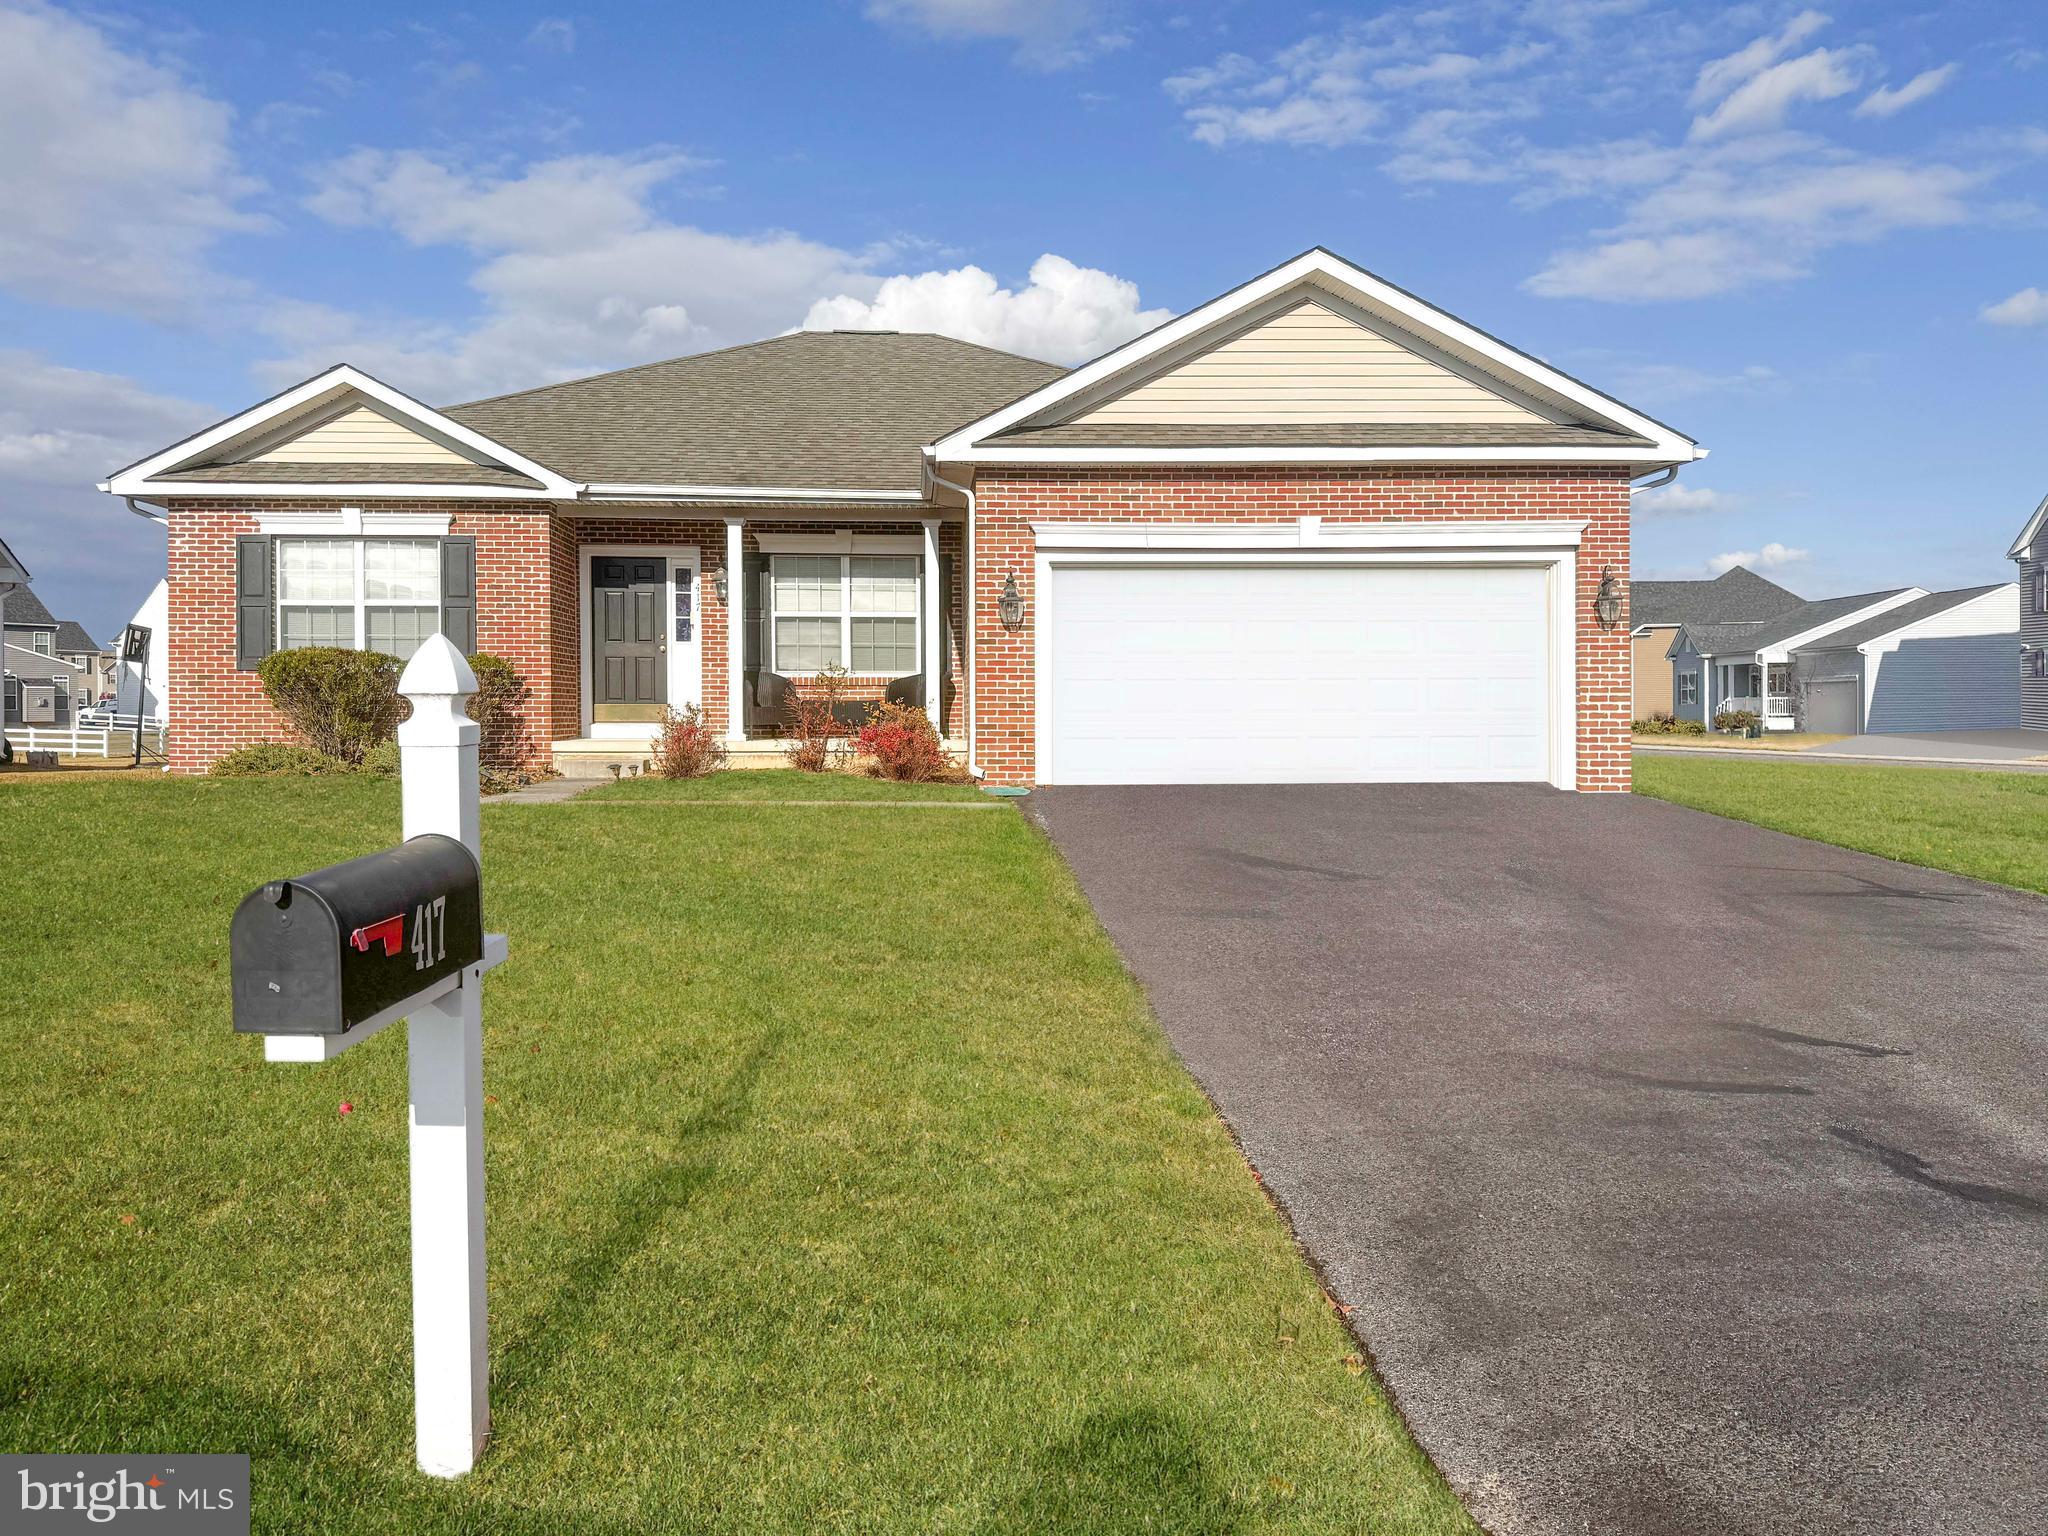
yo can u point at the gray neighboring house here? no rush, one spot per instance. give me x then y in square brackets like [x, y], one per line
[1900, 660]
[52, 667]
[2030, 549]
[1658, 609]
[1942, 662]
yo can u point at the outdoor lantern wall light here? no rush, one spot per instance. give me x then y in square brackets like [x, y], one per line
[1607, 601]
[720, 579]
[1010, 604]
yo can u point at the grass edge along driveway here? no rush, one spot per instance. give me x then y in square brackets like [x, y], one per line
[1985, 825]
[839, 1180]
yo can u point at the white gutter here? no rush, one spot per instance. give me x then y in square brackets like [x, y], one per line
[1659, 482]
[967, 605]
[628, 491]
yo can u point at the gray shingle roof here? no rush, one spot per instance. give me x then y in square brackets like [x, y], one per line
[24, 607]
[1898, 618]
[845, 410]
[356, 474]
[72, 639]
[1737, 595]
[1335, 435]
[1728, 639]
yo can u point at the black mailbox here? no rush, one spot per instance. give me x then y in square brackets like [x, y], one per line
[328, 951]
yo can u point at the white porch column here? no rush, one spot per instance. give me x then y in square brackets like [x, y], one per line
[735, 630]
[933, 634]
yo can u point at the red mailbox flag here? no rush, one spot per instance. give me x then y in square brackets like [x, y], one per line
[391, 932]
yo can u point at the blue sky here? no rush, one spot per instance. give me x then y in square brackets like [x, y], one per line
[1815, 240]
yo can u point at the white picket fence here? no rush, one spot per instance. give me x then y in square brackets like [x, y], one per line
[85, 741]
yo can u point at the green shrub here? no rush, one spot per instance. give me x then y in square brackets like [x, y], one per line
[268, 758]
[1664, 723]
[1738, 722]
[500, 695]
[341, 703]
[382, 759]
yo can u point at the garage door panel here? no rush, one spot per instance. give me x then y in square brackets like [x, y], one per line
[1309, 673]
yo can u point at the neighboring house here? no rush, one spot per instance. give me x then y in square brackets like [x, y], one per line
[151, 683]
[1656, 610]
[2030, 549]
[37, 680]
[92, 663]
[1902, 660]
[14, 580]
[1942, 662]
[1315, 529]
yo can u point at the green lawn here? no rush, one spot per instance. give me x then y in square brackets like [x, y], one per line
[781, 784]
[1993, 826]
[839, 1180]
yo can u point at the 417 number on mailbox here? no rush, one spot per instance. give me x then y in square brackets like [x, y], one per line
[430, 933]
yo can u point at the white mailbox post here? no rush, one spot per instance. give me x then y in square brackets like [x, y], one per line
[451, 1383]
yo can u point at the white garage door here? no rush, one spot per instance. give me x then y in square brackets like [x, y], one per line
[1271, 674]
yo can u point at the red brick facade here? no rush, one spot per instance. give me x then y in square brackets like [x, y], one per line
[530, 572]
[1010, 500]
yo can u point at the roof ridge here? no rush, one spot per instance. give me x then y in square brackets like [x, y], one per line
[742, 346]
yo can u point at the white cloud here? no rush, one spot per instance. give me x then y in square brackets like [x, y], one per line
[2027, 307]
[1066, 313]
[1725, 196]
[1763, 101]
[1720, 76]
[1049, 34]
[553, 34]
[1770, 558]
[117, 177]
[1884, 101]
[62, 429]
[1680, 500]
[1677, 381]
[70, 426]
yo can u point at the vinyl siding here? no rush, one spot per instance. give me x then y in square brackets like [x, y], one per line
[1310, 364]
[1689, 661]
[358, 436]
[1654, 679]
[1954, 671]
[2033, 632]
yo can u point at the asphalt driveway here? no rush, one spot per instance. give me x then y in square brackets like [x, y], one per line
[1684, 1176]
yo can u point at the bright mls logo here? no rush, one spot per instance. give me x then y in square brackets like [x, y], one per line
[161, 1495]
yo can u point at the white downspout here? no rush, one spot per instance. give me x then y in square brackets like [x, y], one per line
[1664, 479]
[973, 678]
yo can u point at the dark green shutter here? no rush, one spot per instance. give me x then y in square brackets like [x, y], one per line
[752, 602]
[458, 593]
[942, 691]
[255, 613]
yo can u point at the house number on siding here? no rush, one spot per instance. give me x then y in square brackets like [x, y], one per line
[430, 933]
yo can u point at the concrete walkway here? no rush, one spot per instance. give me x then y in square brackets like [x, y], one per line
[546, 792]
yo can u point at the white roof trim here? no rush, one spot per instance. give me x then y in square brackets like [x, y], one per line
[968, 444]
[138, 479]
[1308, 533]
[1781, 650]
[326, 490]
[996, 454]
[2010, 589]
[2022, 544]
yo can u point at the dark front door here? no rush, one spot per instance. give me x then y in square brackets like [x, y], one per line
[628, 650]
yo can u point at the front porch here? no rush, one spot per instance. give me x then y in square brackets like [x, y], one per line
[738, 613]
[1765, 690]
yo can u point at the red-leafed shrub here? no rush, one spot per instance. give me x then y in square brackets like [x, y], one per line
[686, 747]
[903, 745]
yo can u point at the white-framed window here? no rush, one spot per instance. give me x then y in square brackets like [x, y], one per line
[2037, 662]
[42, 642]
[2041, 588]
[859, 612]
[1688, 687]
[360, 594]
